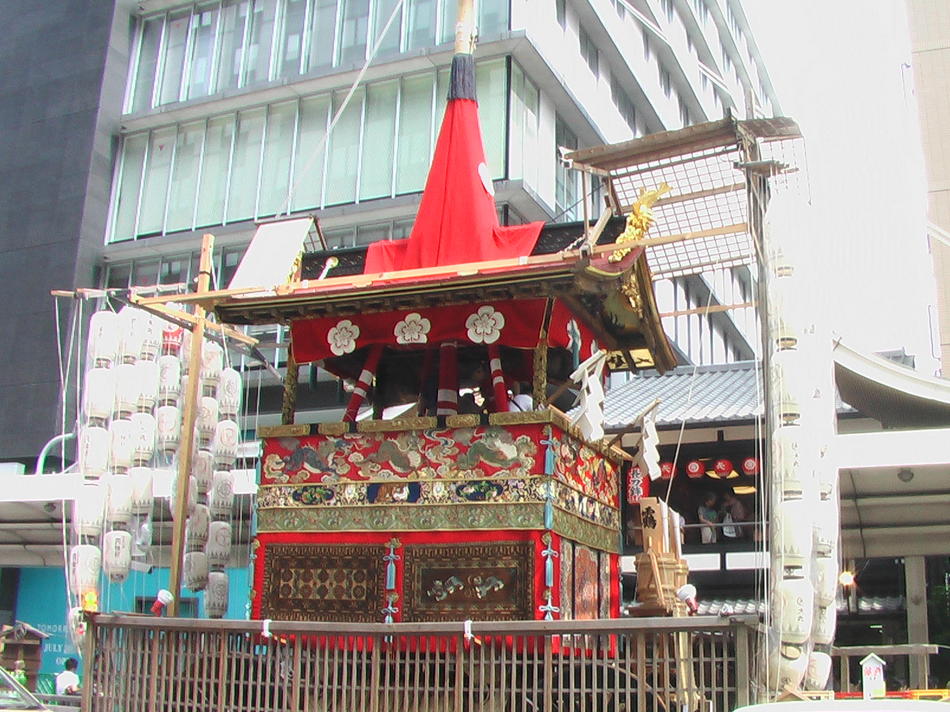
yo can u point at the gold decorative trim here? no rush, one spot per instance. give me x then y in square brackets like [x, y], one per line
[466, 420]
[297, 430]
[333, 429]
[396, 425]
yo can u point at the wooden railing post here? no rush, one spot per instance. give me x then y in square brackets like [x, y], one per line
[743, 682]
[548, 674]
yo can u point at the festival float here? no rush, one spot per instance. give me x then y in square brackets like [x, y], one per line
[469, 478]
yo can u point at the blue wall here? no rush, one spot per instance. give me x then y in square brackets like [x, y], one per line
[41, 602]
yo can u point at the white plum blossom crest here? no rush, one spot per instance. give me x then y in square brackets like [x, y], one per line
[485, 325]
[414, 329]
[342, 337]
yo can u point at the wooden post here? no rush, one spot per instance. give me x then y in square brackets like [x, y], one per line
[465, 27]
[189, 413]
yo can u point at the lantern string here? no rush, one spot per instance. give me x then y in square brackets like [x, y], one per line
[689, 399]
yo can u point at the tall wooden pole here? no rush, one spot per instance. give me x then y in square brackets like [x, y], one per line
[188, 416]
[465, 28]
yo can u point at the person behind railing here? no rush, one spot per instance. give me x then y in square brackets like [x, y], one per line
[67, 682]
[734, 513]
[708, 516]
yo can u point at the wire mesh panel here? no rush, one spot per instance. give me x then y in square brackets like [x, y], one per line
[648, 665]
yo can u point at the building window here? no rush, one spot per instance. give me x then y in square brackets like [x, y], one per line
[588, 50]
[257, 162]
[221, 46]
[560, 9]
[566, 180]
[668, 9]
[684, 112]
[623, 103]
[524, 144]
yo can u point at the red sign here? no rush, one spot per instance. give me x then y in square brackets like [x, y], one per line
[638, 486]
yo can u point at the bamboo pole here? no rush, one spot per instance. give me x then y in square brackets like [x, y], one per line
[189, 413]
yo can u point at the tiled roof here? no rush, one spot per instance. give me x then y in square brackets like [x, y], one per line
[729, 392]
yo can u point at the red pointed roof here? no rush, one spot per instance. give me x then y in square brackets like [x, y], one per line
[457, 221]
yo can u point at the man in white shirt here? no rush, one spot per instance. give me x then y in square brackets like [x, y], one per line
[67, 682]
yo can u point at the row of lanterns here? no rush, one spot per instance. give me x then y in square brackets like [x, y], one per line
[805, 524]
[130, 427]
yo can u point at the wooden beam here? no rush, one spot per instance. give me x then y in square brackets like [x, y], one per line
[189, 414]
[188, 321]
[712, 308]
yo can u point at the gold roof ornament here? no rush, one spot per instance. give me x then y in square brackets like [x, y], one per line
[639, 220]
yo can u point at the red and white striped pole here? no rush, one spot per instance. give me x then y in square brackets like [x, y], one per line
[363, 383]
[448, 398]
[499, 387]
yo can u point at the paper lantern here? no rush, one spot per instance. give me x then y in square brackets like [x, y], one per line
[695, 469]
[85, 563]
[145, 434]
[202, 467]
[196, 528]
[126, 390]
[184, 354]
[818, 671]
[825, 575]
[95, 444]
[89, 509]
[169, 379]
[787, 669]
[221, 498]
[147, 378]
[207, 419]
[192, 501]
[172, 336]
[638, 486]
[103, 345]
[825, 528]
[792, 532]
[723, 467]
[216, 595]
[132, 333]
[788, 385]
[119, 504]
[98, 395]
[142, 496]
[168, 428]
[229, 393]
[151, 337]
[117, 555]
[823, 625]
[750, 466]
[195, 570]
[793, 473]
[122, 434]
[212, 361]
[666, 470]
[219, 545]
[224, 444]
[794, 603]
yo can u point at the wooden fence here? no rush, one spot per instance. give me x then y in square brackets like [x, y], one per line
[638, 665]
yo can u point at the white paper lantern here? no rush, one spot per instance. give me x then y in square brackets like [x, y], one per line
[151, 337]
[196, 528]
[221, 500]
[184, 353]
[195, 570]
[787, 669]
[824, 624]
[117, 555]
[98, 395]
[95, 445]
[146, 377]
[119, 504]
[207, 419]
[85, 563]
[132, 334]
[168, 428]
[103, 344]
[172, 335]
[192, 495]
[145, 434]
[788, 385]
[202, 467]
[142, 495]
[792, 531]
[216, 595]
[126, 390]
[792, 469]
[169, 379]
[218, 548]
[229, 393]
[224, 444]
[123, 437]
[794, 602]
[825, 576]
[212, 361]
[818, 671]
[89, 509]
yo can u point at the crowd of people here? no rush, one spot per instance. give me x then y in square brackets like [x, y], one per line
[725, 519]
